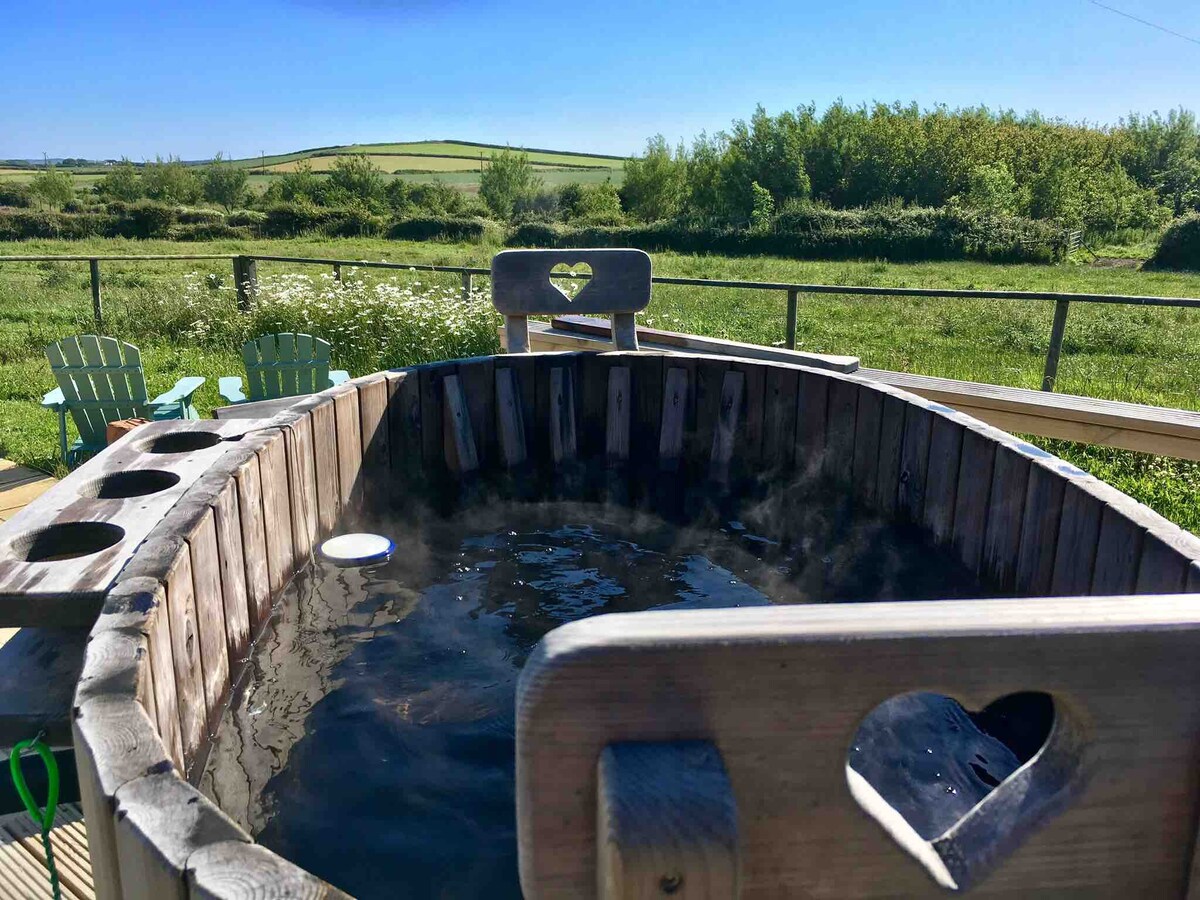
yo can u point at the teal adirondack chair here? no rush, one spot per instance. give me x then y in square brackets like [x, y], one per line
[100, 380]
[283, 365]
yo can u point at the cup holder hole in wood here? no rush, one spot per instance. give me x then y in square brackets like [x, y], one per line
[65, 540]
[180, 442]
[134, 483]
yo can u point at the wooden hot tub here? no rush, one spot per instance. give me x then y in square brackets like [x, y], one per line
[616, 714]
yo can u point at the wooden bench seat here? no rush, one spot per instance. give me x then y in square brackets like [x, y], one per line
[1112, 423]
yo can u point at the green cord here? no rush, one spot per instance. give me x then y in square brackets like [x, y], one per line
[43, 818]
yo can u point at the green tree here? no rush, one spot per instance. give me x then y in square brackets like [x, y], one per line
[590, 204]
[768, 152]
[299, 185]
[507, 181]
[122, 182]
[53, 187]
[656, 182]
[224, 183]
[355, 177]
[762, 212]
[992, 189]
[170, 181]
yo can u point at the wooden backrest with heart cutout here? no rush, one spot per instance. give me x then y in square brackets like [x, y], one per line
[619, 285]
[1106, 809]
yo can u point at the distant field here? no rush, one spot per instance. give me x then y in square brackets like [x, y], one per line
[452, 162]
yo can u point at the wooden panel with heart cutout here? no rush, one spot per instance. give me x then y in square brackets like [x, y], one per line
[619, 283]
[1105, 807]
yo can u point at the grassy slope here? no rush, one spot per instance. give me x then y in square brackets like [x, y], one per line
[1126, 353]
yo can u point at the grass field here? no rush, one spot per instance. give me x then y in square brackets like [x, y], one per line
[437, 148]
[1126, 353]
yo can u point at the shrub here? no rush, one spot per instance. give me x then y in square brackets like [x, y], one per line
[53, 187]
[224, 183]
[170, 181]
[208, 231]
[247, 218]
[144, 219]
[353, 221]
[15, 195]
[442, 228]
[291, 219]
[1179, 247]
[200, 216]
[508, 180]
[355, 178]
[123, 182]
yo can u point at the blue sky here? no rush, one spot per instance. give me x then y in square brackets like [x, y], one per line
[138, 79]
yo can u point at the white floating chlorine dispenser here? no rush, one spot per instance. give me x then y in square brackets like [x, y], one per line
[351, 551]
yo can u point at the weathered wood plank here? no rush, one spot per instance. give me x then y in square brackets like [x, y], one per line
[562, 415]
[405, 424]
[710, 378]
[1005, 514]
[252, 520]
[278, 530]
[160, 822]
[891, 451]
[725, 442]
[754, 392]
[1162, 569]
[348, 422]
[210, 616]
[945, 451]
[457, 435]
[674, 418]
[666, 822]
[115, 743]
[429, 379]
[973, 497]
[1039, 532]
[779, 418]
[323, 420]
[812, 423]
[477, 377]
[647, 392]
[867, 432]
[302, 487]
[839, 430]
[231, 554]
[185, 649]
[1078, 536]
[1118, 550]
[235, 870]
[510, 419]
[618, 414]
[374, 435]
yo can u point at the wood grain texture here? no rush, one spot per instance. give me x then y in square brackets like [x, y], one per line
[255, 555]
[726, 437]
[1078, 536]
[521, 283]
[458, 437]
[618, 414]
[754, 391]
[235, 870]
[666, 822]
[973, 497]
[478, 377]
[161, 822]
[1039, 532]
[675, 402]
[1005, 514]
[723, 676]
[302, 487]
[278, 527]
[563, 442]
[210, 616]
[232, 559]
[710, 381]
[812, 423]
[510, 419]
[1118, 552]
[779, 418]
[323, 420]
[348, 422]
[429, 381]
[373, 399]
[646, 372]
[115, 743]
[891, 452]
[405, 423]
[839, 430]
[867, 432]
[941, 488]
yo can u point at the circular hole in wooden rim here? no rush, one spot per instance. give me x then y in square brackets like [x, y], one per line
[65, 540]
[133, 483]
[180, 442]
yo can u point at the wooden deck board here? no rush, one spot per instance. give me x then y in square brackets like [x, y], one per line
[23, 872]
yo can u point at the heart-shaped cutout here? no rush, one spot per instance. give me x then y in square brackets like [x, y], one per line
[960, 790]
[569, 279]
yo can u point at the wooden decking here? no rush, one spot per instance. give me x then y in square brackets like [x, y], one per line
[23, 872]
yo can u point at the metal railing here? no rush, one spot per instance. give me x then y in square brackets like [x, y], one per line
[246, 278]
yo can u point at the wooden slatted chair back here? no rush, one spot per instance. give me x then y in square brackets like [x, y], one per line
[286, 365]
[101, 380]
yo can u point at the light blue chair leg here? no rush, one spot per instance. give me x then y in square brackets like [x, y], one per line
[62, 434]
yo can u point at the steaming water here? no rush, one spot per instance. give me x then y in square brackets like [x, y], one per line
[373, 742]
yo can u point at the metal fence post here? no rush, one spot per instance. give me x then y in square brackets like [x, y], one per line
[245, 275]
[466, 286]
[337, 271]
[97, 303]
[1056, 338]
[791, 319]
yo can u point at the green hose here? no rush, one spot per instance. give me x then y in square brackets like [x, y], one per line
[42, 818]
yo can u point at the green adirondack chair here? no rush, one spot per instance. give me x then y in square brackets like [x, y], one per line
[283, 365]
[100, 380]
